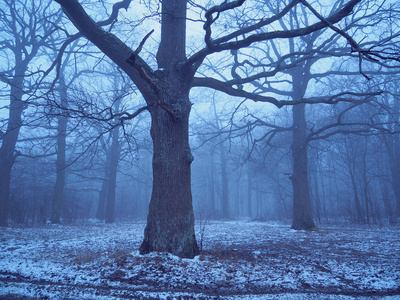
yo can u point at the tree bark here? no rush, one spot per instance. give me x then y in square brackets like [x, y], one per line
[112, 176]
[357, 203]
[7, 150]
[60, 161]
[302, 217]
[211, 182]
[249, 189]
[170, 223]
[225, 187]
[392, 143]
[101, 208]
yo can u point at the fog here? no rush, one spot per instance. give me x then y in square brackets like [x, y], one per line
[202, 131]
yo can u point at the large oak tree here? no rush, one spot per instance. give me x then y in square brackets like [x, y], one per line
[170, 223]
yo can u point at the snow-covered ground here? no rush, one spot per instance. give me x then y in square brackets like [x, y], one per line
[240, 260]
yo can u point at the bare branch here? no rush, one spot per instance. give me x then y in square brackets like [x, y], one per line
[107, 42]
[210, 20]
[227, 88]
[279, 34]
[131, 59]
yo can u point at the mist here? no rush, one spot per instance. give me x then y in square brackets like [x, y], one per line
[179, 150]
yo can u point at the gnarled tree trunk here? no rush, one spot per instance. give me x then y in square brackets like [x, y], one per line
[170, 223]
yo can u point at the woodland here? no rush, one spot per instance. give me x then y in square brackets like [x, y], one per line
[239, 133]
[166, 112]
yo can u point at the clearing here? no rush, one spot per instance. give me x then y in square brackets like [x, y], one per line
[240, 260]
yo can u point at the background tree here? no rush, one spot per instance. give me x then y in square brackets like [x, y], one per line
[26, 27]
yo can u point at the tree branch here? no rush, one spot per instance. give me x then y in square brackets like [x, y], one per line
[107, 42]
[279, 34]
[227, 88]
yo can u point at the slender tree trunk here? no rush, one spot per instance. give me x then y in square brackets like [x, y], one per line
[360, 214]
[249, 190]
[225, 187]
[112, 177]
[101, 208]
[302, 217]
[365, 183]
[60, 162]
[317, 198]
[9, 141]
[212, 184]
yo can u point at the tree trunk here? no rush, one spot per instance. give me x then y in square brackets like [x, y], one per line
[212, 184]
[60, 162]
[101, 208]
[302, 217]
[360, 214]
[5, 170]
[170, 223]
[225, 188]
[317, 198]
[9, 141]
[396, 181]
[393, 150]
[249, 189]
[112, 176]
[365, 182]
[392, 143]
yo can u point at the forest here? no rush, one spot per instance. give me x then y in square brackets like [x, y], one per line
[216, 131]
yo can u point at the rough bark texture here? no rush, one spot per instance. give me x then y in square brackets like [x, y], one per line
[170, 223]
[60, 161]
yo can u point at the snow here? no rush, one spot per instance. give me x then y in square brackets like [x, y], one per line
[240, 260]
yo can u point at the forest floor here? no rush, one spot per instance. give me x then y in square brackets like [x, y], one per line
[239, 260]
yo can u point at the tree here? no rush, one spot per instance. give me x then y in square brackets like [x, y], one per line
[106, 207]
[170, 223]
[26, 27]
[61, 155]
[308, 57]
[392, 143]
